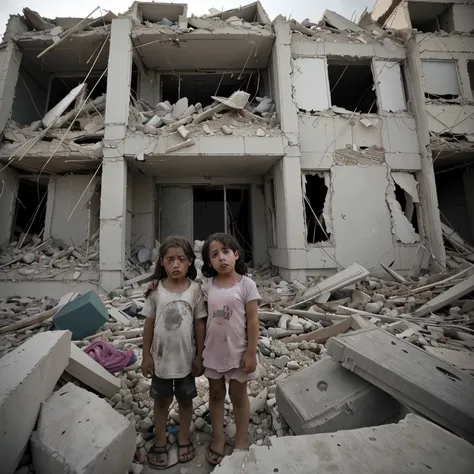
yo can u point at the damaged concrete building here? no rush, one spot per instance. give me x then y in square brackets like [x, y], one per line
[311, 142]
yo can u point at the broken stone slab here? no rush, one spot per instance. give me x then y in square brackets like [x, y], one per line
[463, 359]
[326, 397]
[28, 376]
[90, 373]
[448, 296]
[414, 377]
[323, 289]
[60, 108]
[78, 432]
[413, 445]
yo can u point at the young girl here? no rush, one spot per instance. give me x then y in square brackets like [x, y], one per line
[173, 341]
[230, 348]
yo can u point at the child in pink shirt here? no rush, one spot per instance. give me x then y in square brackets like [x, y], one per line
[230, 347]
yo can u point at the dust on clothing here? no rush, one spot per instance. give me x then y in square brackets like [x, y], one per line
[174, 346]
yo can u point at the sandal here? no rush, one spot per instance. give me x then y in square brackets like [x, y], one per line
[189, 455]
[156, 454]
[213, 457]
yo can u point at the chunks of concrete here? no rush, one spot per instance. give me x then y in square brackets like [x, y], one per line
[82, 316]
[416, 378]
[27, 377]
[326, 397]
[89, 372]
[413, 446]
[80, 433]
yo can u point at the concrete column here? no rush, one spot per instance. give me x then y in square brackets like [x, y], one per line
[259, 225]
[128, 218]
[10, 59]
[426, 178]
[8, 192]
[114, 170]
[287, 173]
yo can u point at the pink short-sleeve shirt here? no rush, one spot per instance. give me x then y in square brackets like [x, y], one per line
[226, 331]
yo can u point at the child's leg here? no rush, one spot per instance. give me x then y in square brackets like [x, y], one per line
[185, 391]
[217, 393]
[240, 401]
[162, 392]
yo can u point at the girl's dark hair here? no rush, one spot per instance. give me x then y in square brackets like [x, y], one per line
[172, 242]
[227, 241]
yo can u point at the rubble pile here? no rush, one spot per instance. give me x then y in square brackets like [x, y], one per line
[225, 116]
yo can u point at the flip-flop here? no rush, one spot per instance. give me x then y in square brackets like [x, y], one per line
[188, 452]
[211, 452]
[157, 450]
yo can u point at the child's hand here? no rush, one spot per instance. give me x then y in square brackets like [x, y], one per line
[249, 362]
[152, 285]
[147, 366]
[198, 368]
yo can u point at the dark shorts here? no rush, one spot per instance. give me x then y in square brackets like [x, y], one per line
[183, 389]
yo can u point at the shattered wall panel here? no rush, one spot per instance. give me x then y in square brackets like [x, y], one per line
[390, 86]
[441, 78]
[463, 18]
[400, 135]
[361, 218]
[310, 84]
[452, 118]
[402, 229]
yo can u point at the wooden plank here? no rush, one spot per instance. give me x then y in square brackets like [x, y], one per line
[89, 372]
[322, 335]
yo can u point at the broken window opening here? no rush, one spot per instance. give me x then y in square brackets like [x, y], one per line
[441, 80]
[470, 71]
[315, 195]
[352, 86]
[429, 17]
[62, 85]
[30, 93]
[409, 208]
[30, 212]
[199, 88]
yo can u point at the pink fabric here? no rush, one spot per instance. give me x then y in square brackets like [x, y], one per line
[107, 356]
[226, 329]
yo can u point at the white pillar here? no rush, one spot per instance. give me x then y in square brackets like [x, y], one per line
[426, 178]
[114, 169]
[287, 173]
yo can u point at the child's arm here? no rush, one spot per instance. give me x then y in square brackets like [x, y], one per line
[249, 361]
[199, 334]
[149, 310]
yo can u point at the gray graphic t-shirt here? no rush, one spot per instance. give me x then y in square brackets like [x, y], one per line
[173, 346]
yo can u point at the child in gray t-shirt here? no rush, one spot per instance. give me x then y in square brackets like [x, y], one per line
[173, 341]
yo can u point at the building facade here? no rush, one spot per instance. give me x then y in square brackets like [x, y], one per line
[313, 144]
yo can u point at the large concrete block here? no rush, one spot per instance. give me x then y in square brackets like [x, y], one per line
[416, 378]
[326, 397]
[413, 446]
[82, 316]
[80, 433]
[27, 377]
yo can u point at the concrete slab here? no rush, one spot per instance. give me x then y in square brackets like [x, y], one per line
[27, 377]
[89, 372]
[413, 446]
[326, 397]
[80, 433]
[416, 378]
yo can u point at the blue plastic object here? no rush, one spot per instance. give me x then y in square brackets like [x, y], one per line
[82, 316]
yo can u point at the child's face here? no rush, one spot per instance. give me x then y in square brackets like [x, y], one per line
[176, 263]
[222, 258]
